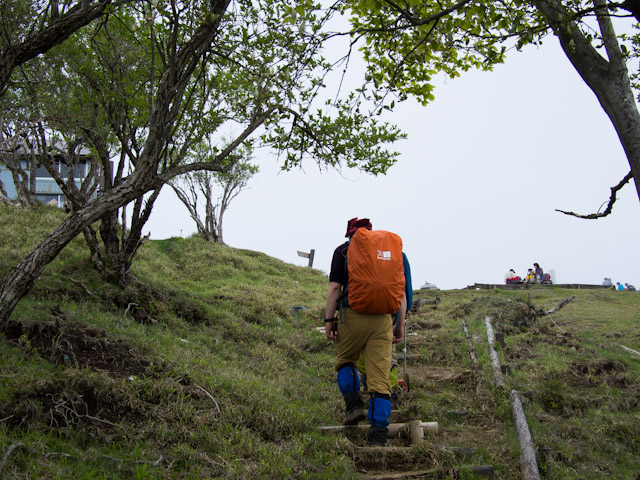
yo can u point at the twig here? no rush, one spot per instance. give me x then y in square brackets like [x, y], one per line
[6, 418]
[554, 322]
[89, 417]
[132, 462]
[78, 282]
[210, 396]
[7, 452]
[128, 307]
[153, 464]
[58, 454]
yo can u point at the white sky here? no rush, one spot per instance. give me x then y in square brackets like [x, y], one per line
[474, 191]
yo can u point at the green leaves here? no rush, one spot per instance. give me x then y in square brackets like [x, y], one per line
[406, 45]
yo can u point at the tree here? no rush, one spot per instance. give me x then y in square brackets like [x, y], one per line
[198, 188]
[14, 152]
[407, 43]
[255, 65]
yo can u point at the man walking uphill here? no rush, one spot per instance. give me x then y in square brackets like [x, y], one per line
[366, 285]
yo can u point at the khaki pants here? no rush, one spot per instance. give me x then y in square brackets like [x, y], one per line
[371, 334]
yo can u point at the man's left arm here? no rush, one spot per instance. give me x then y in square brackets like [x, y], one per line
[333, 295]
[401, 320]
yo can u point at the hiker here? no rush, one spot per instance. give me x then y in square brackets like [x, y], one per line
[541, 277]
[607, 282]
[538, 272]
[371, 333]
[531, 276]
[629, 287]
[619, 287]
[511, 277]
[393, 373]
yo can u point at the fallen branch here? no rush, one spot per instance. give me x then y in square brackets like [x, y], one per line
[528, 462]
[629, 350]
[7, 452]
[470, 348]
[495, 361]
[560, 305]
[210, 396]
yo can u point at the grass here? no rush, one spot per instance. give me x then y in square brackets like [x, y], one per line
[209, 366]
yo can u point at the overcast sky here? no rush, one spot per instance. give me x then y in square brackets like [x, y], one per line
[475, 189]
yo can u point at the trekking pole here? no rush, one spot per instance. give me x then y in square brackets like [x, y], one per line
[406, 374]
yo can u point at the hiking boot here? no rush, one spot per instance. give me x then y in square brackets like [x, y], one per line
[377, 436]
[355, 416]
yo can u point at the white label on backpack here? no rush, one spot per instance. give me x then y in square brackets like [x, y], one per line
[384, 255]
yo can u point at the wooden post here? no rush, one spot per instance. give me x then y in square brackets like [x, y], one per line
[495, 361]
[416, 433]
[309, 255]
[528, 462]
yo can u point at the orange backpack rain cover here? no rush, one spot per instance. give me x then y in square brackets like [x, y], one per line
[376, 272]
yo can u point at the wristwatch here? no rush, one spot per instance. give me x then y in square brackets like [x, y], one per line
[329, 320]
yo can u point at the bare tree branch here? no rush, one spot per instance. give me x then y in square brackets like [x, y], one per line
[612, 200]
[48, 36]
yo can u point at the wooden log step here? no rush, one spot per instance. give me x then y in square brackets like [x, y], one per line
[396, 430]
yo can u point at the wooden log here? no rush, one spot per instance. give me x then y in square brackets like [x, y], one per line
[495, 361]
[528, 463]
[559, 306]
[629, 350]
[470, 348]
[485, 471]
[416, 433]
[396, 430]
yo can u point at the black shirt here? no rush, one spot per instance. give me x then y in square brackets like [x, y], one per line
[338, 265]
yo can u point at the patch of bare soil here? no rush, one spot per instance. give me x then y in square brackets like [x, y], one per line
[73, 344]
[99, 395]
[145, 303]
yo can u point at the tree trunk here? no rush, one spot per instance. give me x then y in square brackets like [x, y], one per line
[21, 278]
[609, 80]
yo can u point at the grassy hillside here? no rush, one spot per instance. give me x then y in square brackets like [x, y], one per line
[209, 366]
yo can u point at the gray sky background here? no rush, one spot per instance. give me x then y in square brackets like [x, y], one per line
[474, 191]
